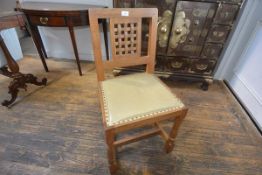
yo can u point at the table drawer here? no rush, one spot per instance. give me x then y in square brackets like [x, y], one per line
[47, 21]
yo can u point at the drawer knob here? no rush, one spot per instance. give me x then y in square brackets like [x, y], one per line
[43, 20]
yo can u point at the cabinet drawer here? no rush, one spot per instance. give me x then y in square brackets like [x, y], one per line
[202, 66]
[226, 1]
[226, 14]
[185, 49]
[218, 34]
[47, 21]
[179, 64]
[161, 63]
[211, 51]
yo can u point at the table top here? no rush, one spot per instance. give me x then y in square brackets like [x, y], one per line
[10, 19]
[54, 6]
[9, 13]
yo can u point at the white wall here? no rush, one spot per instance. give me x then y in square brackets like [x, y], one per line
[246, 80]
[11, 40]
[248, 68]
[94, 2]
[57, 40]
[10, 36]
[245, 26]
[6, 5]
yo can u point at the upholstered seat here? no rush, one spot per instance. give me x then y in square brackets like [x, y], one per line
[136, 96]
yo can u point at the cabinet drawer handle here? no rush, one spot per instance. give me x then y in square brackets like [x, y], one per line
[43, 20]
[163, 29]
[178, 31]
[176, 65]
[201, 66]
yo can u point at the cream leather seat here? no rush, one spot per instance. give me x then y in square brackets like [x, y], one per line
[131, 97]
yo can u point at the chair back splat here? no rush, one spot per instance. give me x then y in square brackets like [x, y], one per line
[125, 38]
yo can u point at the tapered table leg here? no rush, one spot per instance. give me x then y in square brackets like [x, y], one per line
[36, 39]
[41, 43]
[72, 35]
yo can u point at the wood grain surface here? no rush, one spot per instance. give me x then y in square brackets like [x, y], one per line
[57, 130]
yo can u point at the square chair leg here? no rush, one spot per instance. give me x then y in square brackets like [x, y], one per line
[111, 151]
[169, 145]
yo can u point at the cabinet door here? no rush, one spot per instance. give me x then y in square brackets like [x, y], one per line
[165, 13]
[190, 27]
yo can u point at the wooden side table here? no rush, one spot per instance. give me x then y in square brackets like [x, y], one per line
[51, 14]
[10, 20]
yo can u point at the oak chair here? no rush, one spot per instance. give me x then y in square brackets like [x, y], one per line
[136, 100]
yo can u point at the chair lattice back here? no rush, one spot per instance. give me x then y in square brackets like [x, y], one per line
[125, 36]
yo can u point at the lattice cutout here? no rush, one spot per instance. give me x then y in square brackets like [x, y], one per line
[125, 38]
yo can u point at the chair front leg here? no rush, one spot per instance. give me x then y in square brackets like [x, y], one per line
[169, 145]
[111, 151]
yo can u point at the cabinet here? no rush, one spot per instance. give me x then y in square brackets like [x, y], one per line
[191, 35]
